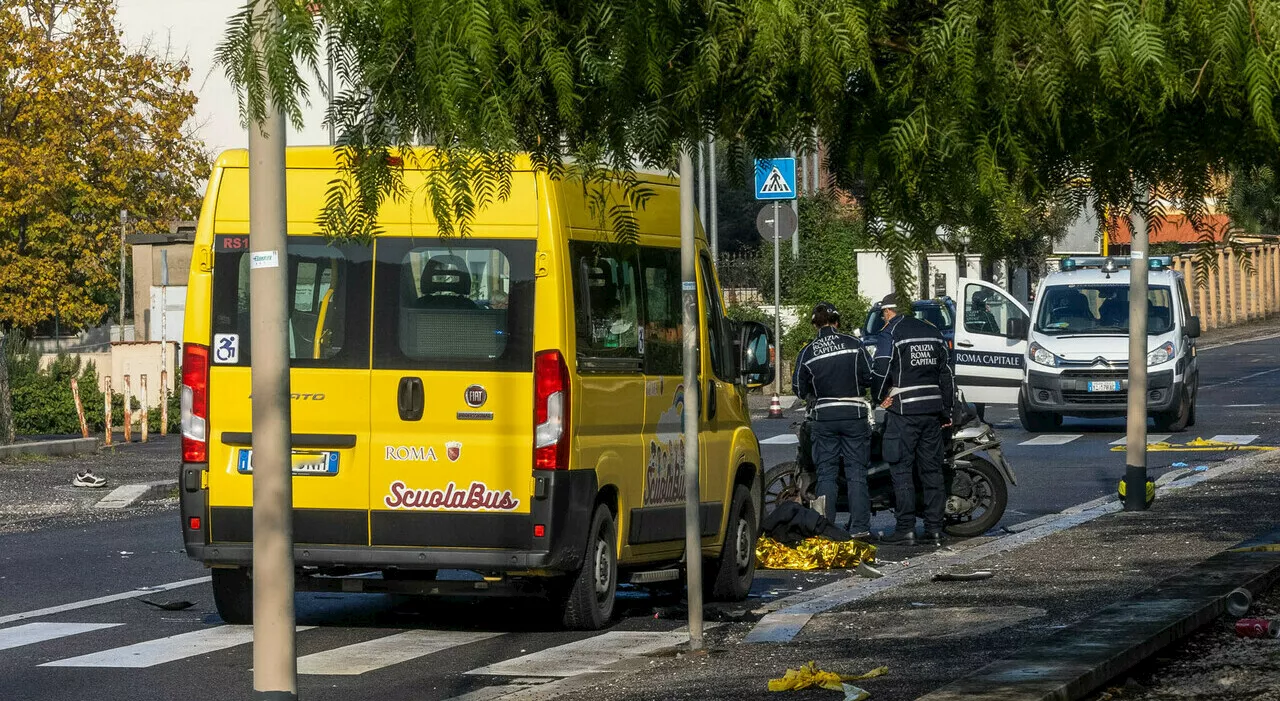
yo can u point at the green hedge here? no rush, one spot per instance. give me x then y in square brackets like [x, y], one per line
[43, 403]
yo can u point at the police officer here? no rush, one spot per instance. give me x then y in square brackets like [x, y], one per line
[834, 374]
[918, 390]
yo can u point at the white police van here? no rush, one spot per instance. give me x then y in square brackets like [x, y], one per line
[1077, 348]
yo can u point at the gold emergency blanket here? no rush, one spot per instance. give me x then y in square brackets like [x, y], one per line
[810, 676]
[813, 554]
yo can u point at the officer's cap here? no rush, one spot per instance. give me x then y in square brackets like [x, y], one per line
[890, 301]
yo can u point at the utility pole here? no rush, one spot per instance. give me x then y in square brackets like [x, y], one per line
[1135, 457]
[715, 214]
[124, 221]
[692, 408]
[702, 187]
[275, 665]
[795, 239]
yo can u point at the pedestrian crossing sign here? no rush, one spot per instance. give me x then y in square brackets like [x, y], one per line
[775, 178]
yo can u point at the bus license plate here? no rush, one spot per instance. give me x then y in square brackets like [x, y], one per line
[324, 462]
[1105, 386]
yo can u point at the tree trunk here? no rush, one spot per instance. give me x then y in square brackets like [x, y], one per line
[6, 399]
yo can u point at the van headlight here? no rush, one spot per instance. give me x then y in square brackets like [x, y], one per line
[1040, 355]
[1160, 355]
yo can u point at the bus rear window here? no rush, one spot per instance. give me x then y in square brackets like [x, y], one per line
[461, 304]
[327, 297]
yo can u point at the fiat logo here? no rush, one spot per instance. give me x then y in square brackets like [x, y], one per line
[476, 396]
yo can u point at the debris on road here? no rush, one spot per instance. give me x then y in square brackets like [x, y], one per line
[976, 576]
[810, 676]
[169, 605]
[1257, 628]
[1238, 602]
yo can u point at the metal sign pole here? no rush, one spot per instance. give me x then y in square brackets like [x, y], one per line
[777, 300]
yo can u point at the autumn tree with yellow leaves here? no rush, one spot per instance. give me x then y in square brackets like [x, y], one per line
[88, 126]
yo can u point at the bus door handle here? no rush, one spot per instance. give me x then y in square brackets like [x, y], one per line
[410, 399]
[711, 399]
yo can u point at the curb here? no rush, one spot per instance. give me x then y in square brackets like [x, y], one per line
[72, 446]
[1083, 657]
[126, 494]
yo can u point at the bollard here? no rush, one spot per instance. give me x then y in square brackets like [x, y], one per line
[142, 390]
[128, 412]
[106, 410]
[75, 394]
[1222, 289]
[1233, 289]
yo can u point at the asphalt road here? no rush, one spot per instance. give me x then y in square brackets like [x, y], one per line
[1240, 385]
[475, 649]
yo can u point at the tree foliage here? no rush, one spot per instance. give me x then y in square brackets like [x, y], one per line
[937, 113]
[87, 127]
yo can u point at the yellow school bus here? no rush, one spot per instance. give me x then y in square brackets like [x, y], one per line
[508, 403]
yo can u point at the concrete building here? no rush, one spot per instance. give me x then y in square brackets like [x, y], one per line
[161, 263]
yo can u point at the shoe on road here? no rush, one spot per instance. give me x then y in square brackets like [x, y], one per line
[931, 538]
[899, 538]
[88, 479]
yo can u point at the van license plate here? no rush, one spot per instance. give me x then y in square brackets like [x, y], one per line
[1105, 386]
[305, 462]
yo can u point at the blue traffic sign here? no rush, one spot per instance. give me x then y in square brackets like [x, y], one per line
[775, 178]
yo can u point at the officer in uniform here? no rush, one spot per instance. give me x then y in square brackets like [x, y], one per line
[918, 390]
[834, 375]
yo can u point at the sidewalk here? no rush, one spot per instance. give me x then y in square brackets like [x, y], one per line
[930, 634]
[34, 489]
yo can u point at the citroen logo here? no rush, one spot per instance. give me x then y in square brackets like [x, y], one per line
[1101, 361]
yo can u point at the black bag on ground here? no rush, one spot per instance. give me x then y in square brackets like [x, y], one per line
[791, 523]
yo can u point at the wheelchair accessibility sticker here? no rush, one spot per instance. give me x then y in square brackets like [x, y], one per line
[226, 348]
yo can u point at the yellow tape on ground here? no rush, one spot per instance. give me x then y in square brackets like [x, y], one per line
[1272, 548]
[1199, 445]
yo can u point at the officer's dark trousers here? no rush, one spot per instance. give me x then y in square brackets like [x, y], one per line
[851, 440]
[913, 445]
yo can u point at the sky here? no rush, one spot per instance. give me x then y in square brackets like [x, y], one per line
[193, 28]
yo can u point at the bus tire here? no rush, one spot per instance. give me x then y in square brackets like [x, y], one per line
[233, 594]
[735, 569]
[588, 597]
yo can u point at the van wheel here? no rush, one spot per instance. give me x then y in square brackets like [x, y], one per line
[1037, 421]
[588, 597]
[233, 595]
[736, 567]
[1178, 419]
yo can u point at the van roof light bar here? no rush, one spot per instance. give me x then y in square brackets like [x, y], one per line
[1111, 264]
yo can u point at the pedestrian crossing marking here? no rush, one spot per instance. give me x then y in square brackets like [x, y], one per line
[775, 183]
[1053, 439]
[150, 653]
[1238, 439]
[31, 633]
[784, 439]
[1151, 438]
[386, 651]
[594, 654]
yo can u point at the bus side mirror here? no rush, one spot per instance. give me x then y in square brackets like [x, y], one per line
[1193, 326]
[756, 342]
[1016, 330]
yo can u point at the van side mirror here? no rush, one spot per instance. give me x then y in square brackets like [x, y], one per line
[1016, 330]
[1193, 326]
[757, 358]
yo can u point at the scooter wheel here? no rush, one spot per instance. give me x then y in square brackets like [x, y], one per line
[988, 488]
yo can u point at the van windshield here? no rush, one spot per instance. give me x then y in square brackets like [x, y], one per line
[1101, 310]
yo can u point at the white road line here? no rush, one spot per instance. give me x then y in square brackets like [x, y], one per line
[585, 656]
[1238, 439]
[384, 652]
[783, 439]
[31, 633]
[1151, 438]
[150, 653]
[61, 608]
[1053, 439]
[1241, 379]
[1242, 406]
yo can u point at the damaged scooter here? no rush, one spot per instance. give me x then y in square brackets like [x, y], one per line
[976, 473]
